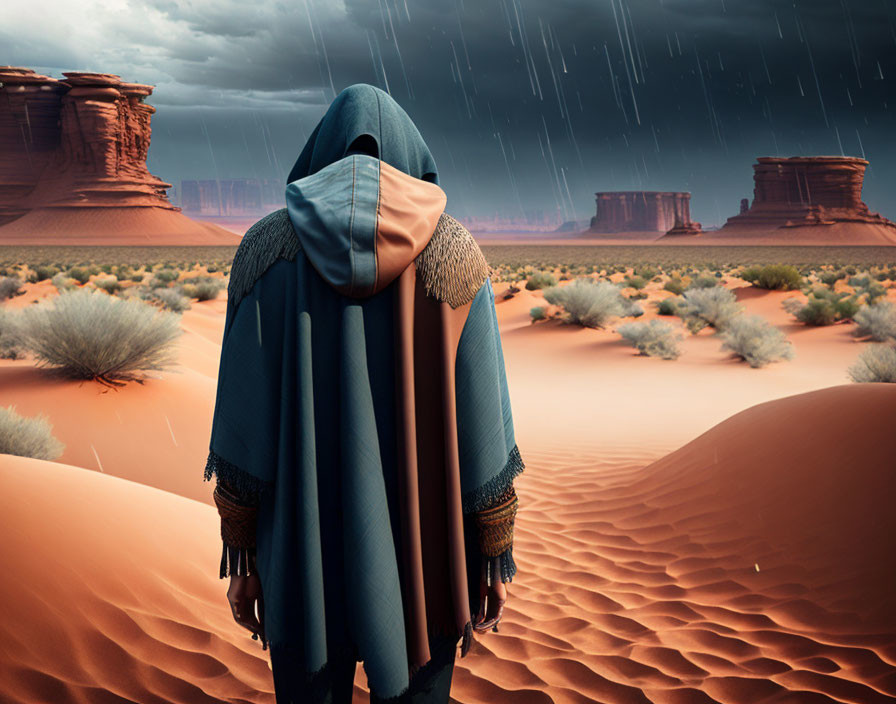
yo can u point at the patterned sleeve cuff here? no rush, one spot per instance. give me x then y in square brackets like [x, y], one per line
[238, 524]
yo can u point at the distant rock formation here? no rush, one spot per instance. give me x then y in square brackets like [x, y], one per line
[684, 229]
[809, 192]
[73, 165]
[640, 211]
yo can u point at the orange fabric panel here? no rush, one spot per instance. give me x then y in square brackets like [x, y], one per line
[408, 212]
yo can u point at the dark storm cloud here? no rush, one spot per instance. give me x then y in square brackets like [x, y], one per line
[527, 104]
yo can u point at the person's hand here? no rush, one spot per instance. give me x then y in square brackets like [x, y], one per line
[244, 594]
[491, 598]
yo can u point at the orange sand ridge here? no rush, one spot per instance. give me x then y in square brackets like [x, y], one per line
[112, 226]
[751, 564]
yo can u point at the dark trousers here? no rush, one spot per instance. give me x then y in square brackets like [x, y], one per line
[429, 685]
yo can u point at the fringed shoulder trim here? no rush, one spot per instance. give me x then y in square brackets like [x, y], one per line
[452, 266]
[268, 240]
[484, 496]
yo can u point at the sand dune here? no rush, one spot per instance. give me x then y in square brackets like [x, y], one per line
[112, 226]
[640, 584]
[636, 584]
[111, 594]
[638, 573]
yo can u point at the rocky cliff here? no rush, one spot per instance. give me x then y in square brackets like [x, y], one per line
[640, 211]
[73, 165]
[808, 192]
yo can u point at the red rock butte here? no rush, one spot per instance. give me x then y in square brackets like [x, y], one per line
[73, 165]
[814, 200]
[632, 212]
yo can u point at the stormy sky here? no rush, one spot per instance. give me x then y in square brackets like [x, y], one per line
[527, 105]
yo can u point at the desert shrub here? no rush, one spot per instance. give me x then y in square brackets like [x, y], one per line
[165, 276]
[204, 290]
[877, 320]
[876, 363]
[669, 306]
[86, 334]
[106, 268]
[588, 303]
[63, 282]
[675, 285]
[10, 286]
[703, 282]
[635, 282]
[715, 307]
[647, 272]
[27, 437]
[538, 313]
[211, 269]
[109, 284]
[171, 299]
[136, 277]
[851, 270]
[868, 287]
[9, 343]
[630, 309]
[754, 339]
[79, 274]
[829, 278]
[823, 307]
[654, 339]
[781, 277]
[540, 279]
[859, 281]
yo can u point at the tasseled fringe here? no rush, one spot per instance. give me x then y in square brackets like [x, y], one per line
[244, 483]
[506, 567]
[488, 493]
[451, 266]
[234, 562]
[268, 240]
[467, 640]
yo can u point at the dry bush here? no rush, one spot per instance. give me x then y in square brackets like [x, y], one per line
[823, 307]
[170, 298]
[715, 307]
[27, 437]
[10, 348]
[540, 279]
[654, 339]
[876, 364]
[588, 303]
[877, 320]
[203, 288]
[754, 339]
[63, 282]
[10, 286]
[781, 277]
[538, 313]
[108, 283]
[86, 334]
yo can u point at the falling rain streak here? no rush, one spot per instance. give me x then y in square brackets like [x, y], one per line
[616, 97]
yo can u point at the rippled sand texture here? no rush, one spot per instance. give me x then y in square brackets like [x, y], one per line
[754, 564]
[110, 594]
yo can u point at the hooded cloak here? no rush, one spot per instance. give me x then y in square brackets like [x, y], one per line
[362, 394]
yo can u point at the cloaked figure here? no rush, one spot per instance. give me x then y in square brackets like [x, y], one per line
[362, 439]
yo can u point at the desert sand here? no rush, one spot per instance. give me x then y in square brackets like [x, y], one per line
[112, 226]
[689, 531]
